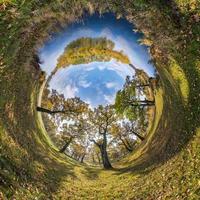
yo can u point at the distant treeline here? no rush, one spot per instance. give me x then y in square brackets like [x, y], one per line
[86, 50]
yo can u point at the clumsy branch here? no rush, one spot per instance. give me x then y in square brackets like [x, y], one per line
[40, 109]
[92, 140]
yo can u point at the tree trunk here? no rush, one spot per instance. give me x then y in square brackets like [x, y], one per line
[93, 159]
[104, 154]
[40, 109]
[105, 159]
[145, 85]
[78, 158]
[99, 159]
[62, 150]
[138, 135]
[143, 103]
[126, 145]
[148, 102]
[131, 65]
[103, 149]
[75, 156]
[82, 158]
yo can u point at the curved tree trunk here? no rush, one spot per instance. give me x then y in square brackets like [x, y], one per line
[40, 109]
[93, 159]
[138, 135]
[82, 158]
[126, 145]
[143, 103]
[129, 145]
[72, 154]
[78, 158]
[99, 159]
[62, 150]
[105, 159]
[144, 85]
[104, 154]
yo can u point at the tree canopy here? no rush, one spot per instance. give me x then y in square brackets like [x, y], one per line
[105, 133]
[132, 99]
[85, 50]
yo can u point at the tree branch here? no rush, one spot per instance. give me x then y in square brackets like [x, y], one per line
[92, 140]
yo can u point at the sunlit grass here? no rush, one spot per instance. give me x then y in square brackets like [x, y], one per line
[180, 79]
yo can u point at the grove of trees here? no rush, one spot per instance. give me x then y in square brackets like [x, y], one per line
[85, 50]
[106, 133]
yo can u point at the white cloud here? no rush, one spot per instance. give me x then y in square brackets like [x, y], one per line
[84, 83]
[88, 101]
[134, 51]
[83, 32]
[50, 60]
[70, 91]
[89, 68]
[106, 32]
[111, 85]
[123, 70]
[127, 48]
[137, 54]
[101, 65]
[110, 98]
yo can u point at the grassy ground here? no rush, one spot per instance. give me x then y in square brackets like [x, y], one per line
[164, 167]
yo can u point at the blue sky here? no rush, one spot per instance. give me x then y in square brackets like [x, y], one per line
[118, 30]
[96, 83]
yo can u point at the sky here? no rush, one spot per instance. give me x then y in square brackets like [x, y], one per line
[97, 82]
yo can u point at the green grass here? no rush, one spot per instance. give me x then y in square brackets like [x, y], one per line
[166, 164]
[180, 79]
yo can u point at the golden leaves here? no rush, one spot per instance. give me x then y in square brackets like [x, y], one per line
[86, 50]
